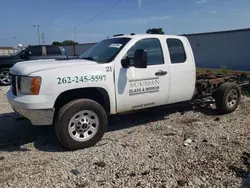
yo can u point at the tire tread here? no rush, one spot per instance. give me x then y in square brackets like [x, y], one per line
[74, 145]
[221, 94]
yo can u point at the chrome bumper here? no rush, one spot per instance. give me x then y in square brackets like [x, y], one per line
[37, 117]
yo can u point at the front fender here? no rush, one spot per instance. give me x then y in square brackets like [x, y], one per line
[55, 82]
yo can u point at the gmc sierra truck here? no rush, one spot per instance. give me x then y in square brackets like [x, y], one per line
[33, 52]
[122, 73]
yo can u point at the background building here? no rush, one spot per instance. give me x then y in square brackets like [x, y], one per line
[6, 51]
[229, 49]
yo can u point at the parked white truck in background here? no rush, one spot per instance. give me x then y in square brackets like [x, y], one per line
[119, 74]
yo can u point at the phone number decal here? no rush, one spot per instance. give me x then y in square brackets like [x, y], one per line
[80, 79]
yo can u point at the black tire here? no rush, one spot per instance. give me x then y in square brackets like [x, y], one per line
[222, 100]
[3, 83]
[68, 111]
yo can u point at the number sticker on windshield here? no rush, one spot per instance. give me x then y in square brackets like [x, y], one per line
[80, 79]
[115, 45]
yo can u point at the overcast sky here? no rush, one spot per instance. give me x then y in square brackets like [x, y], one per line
[57, 18]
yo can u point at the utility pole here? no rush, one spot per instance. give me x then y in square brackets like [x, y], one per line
[43, 38]
[38, 32]
[74, 33]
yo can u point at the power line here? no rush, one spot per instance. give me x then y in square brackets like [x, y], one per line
[94, 17]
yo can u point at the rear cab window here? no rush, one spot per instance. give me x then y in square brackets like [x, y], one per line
[53, 50]
[176, 51]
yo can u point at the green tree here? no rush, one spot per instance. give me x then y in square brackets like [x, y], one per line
[56, 43]
[155, 31]
[69, 42]
[64, 43]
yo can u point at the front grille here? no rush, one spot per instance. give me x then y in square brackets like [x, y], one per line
[13, 84]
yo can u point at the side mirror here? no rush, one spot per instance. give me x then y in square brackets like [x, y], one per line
[140, 58]
[125, 62]
[25, 55]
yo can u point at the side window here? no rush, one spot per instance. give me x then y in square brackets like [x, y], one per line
[154, 51]
[176, 51]
[53, 50]
[35, 50]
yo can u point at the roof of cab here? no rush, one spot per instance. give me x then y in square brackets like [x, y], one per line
[144, 35]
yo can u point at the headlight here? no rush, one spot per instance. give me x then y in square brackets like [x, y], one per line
[29, 85]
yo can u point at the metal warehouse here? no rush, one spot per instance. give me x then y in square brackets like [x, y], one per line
[229, 49]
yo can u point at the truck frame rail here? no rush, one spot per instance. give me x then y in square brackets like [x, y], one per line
[207, 83]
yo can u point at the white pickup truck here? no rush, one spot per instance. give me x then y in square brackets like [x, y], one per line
[119, 74]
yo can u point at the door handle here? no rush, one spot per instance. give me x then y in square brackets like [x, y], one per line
[161, 73]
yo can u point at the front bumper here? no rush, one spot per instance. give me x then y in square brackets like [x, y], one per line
[24, 108]
[37, 117]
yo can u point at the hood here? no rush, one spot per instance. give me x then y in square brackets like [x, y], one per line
[28, 67]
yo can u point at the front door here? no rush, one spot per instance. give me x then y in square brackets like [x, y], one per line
[142, 88]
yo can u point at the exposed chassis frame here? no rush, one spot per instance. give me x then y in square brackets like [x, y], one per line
[207, 83]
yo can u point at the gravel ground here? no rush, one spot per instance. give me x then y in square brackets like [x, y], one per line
[146, 149]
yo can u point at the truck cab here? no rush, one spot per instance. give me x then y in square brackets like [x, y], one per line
[119, 74]
[166, 75]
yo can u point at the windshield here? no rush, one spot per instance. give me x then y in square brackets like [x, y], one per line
[106, 50]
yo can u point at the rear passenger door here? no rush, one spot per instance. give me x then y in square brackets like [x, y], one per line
[181, 69]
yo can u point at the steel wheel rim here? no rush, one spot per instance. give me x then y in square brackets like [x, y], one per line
[83, 125]
[5, 77]
[232, 98]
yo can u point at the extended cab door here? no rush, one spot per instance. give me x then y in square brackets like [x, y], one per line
[182, 69]
[138, 88]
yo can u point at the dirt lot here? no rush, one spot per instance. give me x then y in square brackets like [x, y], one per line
[139, 150]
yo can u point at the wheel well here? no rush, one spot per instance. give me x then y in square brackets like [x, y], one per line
[99, 95]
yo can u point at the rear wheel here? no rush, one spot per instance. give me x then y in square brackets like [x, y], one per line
[227, 97]
[81, 124]
[5, 77]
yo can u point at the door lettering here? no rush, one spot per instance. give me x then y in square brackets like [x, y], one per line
[137, 87]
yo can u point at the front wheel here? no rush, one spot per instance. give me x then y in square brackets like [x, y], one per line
[227, 97]
[81, 124]
[5, 77]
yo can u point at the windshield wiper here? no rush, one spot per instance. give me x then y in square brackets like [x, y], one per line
[88, 58]
[92, 59]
